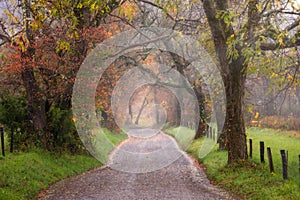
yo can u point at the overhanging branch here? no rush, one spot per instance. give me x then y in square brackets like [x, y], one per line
[273, 46]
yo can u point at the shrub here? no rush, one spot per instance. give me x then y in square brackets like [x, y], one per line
[14, 117]
[63, 131]
[284, 123]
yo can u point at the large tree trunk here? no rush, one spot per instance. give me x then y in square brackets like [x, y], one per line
[234, 122]
[234, 75]
[36, 100]
[36, 106]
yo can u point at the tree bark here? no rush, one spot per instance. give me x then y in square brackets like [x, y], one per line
[141, 110]
[36, 106]
[202, 127]
[234, 74]
[234, 121]
[36, 101]
[156, 104]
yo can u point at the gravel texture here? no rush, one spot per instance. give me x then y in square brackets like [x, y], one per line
[140, 168]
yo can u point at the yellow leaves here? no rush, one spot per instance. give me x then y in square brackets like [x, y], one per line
[35, 25]
[227, 16]
[274, 75]
[22, 43]
[74, 119]
[250, 110]
[79, 5]
[256, 115]
[63, 45]
[22, 47]
[273, 173]
[128, 10]
[278, 4]
[94, 6]
[76, 35]
[73, 35]
[163, 103]
[259, 8]
[290, 77]
[280, 38]
[129, 13]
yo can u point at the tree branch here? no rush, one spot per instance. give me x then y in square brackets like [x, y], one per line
[287, 44]
[293, 25]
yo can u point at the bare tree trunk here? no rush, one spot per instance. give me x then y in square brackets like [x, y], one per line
[130, 111]
[141, 110]
[156, 106]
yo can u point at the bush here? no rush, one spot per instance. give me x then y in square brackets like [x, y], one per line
[63, 131]
[14, 117]
[284, 123]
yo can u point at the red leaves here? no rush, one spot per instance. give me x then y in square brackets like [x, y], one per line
[55, 68]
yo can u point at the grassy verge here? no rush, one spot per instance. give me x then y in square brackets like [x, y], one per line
[113, 137]
[251, 179]
[277, 140]
[183, 135]
[24, 174]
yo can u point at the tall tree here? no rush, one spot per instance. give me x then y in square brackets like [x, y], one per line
[50, 39]
[236, 44]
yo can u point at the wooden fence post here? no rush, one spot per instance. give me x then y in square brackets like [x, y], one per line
[250, 146]
[213, 133]
[2, 140]
[270, 159]
[262, 152]
[284, 164]
[210, 132]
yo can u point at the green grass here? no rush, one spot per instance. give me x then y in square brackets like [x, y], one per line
[183, 135]
[252, 180]
[105, 142]
[277, 140]
[115, 138]
[23, 175]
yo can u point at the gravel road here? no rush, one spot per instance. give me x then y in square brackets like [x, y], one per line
[141, 168]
